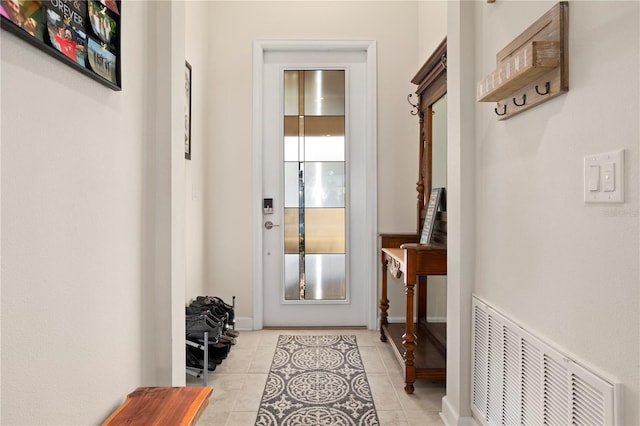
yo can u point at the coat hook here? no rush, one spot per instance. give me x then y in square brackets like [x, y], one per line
[524, 100]
[504, 110]
[417, 110]
[547, 86]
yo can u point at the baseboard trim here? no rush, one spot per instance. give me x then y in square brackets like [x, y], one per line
[451, 417]
[244, 323]
[397, 320]
[448, 415]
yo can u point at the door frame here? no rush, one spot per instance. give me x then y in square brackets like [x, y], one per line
[371, 219]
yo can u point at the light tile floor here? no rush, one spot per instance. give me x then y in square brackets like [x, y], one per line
[239, 381]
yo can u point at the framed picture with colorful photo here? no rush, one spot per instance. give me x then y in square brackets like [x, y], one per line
[82, 34]
[26, 15]
[187, 111]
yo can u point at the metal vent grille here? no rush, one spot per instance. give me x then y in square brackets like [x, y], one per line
[531, 385]
[519, 380]
[588, 403]
[480, 352]
[511, 378]
[556, 397]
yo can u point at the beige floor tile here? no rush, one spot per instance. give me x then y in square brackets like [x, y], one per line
[384, 395]
[392, 418]
[426, 400]
[420, 418]
[249, 339]
[224, 382]
[210, 418]
[371, 360]
[245, 418]
[251, 393]
[262, 358]
[389, 357]
[269, 338]
[367, 337]
[237, 361]
[223, 400]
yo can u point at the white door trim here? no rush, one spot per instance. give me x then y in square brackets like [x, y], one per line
[259, 49]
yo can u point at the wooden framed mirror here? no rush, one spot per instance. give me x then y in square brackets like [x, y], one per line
[431, 80]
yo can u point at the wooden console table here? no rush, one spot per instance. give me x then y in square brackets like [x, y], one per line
[420, 347]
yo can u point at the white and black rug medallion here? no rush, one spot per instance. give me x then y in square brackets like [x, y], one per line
[317, 380]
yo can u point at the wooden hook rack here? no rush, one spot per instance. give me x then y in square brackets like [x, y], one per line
[533, 68]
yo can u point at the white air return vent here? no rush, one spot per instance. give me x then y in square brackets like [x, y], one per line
[519, 380]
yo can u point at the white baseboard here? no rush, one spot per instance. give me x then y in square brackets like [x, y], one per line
[448, 415]
[244, 324]
[396, 320]
[451, 417]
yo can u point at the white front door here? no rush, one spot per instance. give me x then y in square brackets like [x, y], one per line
[316, 239]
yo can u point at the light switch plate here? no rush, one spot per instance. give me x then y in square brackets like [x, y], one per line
[611, 180]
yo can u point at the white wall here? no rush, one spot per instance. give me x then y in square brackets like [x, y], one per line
[88, 303]
[232, 28]
[461, 209]
[432, 27]
[197, 45]
[566, 270]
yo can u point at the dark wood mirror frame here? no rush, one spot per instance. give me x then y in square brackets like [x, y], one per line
[431, 80]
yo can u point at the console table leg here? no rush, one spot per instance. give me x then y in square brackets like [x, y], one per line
[384, 302]
[408, 388]
[409, 342]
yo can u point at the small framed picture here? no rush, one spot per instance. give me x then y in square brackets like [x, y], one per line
[436, 201]
[187, 111]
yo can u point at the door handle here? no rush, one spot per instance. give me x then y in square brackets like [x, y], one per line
[268, 224]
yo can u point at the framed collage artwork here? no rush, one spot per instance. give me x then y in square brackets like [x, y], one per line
[82, 34]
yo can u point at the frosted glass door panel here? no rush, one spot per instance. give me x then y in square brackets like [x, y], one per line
[324, 184]
[324, 231]
[324, 277]
[324, 92]
[314, 185]
[291, 190]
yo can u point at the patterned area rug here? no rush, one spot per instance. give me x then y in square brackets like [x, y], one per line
[317, 380]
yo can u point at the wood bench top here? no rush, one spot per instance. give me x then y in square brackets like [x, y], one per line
[162, 406]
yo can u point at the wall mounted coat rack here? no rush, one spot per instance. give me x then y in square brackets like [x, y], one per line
[533, 68]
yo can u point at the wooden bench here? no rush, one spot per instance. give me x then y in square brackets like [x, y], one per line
[162, 406]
